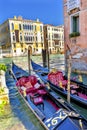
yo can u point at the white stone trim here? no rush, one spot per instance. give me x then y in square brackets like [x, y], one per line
[75, 14]
[72, 4]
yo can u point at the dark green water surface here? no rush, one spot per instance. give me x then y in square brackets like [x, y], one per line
[27, 120]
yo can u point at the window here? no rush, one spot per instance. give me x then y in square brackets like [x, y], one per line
[14, 45]
[42, 45]
[33, 38]
[35, 27]
[12, 26]
[49, 37]
[21, 45]
[36, 44]
[56, 43]
[23, 26]
[14, 38]
[56, 35]
[20, 27]
[55, 29]
[28, 27]
[24, 38]
[75, 23]
[32, 27]
[41, 38]
[36, 38]
[21, 50]
[41, 28]
[20, 38]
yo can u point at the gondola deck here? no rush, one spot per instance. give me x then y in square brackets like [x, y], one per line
[79, 97]
[55, 114]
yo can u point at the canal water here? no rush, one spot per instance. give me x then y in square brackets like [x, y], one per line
[20, 116]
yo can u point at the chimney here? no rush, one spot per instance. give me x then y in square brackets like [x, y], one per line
[15, 17]
[37, 20]
[20, 18]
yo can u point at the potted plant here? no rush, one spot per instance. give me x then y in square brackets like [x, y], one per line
[2, 68]
[74, 34]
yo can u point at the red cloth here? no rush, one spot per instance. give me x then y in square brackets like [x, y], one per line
[41, 92]
[28, 85]
[32, 79]
[21, 81]
[56, 77]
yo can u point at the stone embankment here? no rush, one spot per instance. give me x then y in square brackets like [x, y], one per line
[4, 93]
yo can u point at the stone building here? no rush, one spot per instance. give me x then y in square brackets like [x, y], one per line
[75, 33]
[54, 38]
[17, 34]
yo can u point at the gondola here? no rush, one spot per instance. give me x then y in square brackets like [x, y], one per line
[78, 90]
[51, 110]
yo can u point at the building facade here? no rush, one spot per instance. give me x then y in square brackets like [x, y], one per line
[75, 33]
[17, 34]
[54, 38]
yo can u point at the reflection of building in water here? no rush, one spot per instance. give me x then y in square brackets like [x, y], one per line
[75, 32]
[0, 51]
[18, 33]
[54, 38]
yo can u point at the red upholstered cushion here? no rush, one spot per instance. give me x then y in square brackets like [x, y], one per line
[41, 92]
[29, 90]
[64, 82]
[59, 75]
[55, 78]
[28, 85]
[32, 79]
[21, 81]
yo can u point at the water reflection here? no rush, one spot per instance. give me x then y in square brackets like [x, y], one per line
[20, 116]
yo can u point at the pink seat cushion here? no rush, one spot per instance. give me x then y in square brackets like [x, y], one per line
[41, 92]
[28, 85]
[32, 79]
[21, 81]
[29, 90]
[64, 82]
[73, 91]
[37, 100]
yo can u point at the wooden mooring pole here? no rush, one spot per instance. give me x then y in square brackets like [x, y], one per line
[69, 73]
[44, 57]
[48, 64]
[29, 69]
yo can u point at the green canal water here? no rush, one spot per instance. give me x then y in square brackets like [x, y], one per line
[27, 120]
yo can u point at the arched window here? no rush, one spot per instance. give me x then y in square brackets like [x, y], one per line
[20, 28]
[12, 26]
[20, 38]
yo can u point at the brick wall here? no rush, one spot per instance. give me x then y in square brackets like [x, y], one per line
[78, 45]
